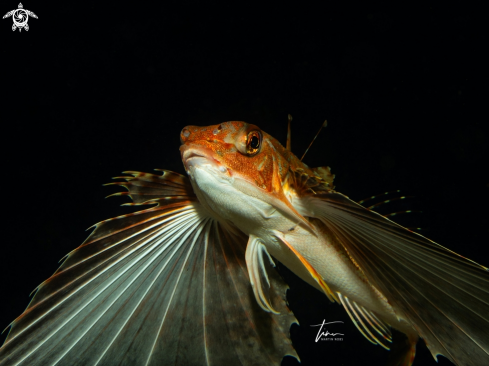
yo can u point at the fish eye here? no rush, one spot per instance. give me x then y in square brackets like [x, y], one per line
[253, 142]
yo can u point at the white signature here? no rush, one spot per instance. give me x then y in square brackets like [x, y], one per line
[325, 334]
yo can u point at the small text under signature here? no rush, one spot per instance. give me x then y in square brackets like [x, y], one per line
[325, 334]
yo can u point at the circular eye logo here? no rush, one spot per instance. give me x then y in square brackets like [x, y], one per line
[20, 17]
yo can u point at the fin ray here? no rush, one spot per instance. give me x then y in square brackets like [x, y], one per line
[257, 269]
[358, 315]
[442, 294]
[163, 285]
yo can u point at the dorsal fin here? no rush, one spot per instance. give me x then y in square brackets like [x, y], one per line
[324, 172]
[325, 123]
[289, 136]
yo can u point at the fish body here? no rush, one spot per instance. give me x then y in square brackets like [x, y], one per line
[262, 202]
[189, 279]
[271, 195]
[266, 198]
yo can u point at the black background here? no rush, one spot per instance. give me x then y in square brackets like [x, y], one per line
[90, 91]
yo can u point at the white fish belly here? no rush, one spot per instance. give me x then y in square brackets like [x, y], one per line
[255, 217]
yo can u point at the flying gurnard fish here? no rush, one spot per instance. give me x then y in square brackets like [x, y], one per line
[189, 280]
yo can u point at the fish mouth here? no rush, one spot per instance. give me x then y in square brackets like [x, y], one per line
[193, 157]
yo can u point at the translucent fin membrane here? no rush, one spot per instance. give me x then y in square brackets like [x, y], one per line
[444, 295]
[166, 285]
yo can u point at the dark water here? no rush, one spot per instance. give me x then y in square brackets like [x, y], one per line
[90, 91]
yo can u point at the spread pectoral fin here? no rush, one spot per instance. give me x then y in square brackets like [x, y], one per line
[166, 285]
[442, 294]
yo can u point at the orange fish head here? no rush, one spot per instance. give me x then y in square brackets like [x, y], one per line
[239, 171]
[236, 149]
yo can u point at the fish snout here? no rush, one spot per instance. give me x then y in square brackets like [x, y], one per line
[184, 135]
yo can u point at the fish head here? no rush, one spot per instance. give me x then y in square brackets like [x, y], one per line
[237, 169]
[235, 149]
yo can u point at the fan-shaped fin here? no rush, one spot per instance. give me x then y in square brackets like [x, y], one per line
[143, 187]
[166, 285]
[367, 323]
[442, 294]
